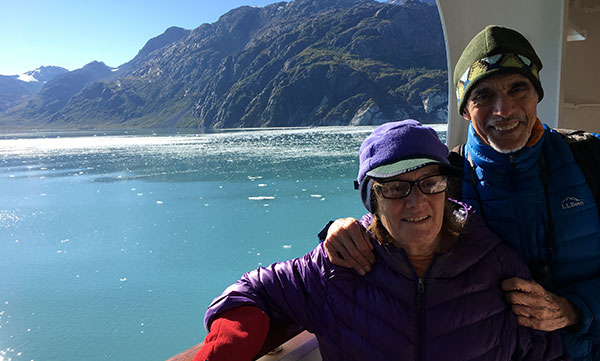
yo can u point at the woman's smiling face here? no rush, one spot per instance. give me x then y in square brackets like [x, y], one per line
[415, 221]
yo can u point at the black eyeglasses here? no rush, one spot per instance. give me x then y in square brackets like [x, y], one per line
[432, 184]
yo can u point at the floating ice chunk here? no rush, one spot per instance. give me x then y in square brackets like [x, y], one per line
[262, 185]
[64, 240]
[287, 246]
[261, 198]
[159, 202]
[254, 178]
[123, 279]
[140, 194]
[266, 205]
[316, 196]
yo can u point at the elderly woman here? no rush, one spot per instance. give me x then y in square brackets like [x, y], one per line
[434, 294]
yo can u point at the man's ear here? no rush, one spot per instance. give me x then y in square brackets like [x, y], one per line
[466, 114]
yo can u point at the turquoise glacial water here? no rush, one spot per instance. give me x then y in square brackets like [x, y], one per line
[113, 245]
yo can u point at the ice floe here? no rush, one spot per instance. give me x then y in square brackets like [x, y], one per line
[261, 198]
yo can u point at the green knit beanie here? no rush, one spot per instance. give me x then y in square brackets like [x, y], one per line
[495, 50]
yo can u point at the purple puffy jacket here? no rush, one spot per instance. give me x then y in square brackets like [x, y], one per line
[457, 311]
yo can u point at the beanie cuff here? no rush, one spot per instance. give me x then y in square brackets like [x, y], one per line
[496, 64]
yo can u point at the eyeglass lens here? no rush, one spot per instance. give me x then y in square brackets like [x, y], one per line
[428, 185]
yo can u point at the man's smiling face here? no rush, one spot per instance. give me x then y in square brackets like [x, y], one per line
[502, 109]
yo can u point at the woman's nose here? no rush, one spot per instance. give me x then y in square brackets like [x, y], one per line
[415, 196]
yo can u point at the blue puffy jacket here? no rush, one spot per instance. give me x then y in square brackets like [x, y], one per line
[515, 207]
[457, 311]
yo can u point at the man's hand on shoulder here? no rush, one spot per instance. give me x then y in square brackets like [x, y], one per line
[537, 308]
[347, 245]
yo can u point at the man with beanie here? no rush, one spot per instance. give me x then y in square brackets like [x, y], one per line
[521, 176]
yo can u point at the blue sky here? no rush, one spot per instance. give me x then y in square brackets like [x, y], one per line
[72, 33]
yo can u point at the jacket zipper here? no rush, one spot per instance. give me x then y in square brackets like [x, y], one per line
[420, 319]
[420, 307]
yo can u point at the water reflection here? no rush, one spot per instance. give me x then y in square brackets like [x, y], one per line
[205, 157]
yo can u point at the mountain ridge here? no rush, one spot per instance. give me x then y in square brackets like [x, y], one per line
[13, 88]
[304, 62]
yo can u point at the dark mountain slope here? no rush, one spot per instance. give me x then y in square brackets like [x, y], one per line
[306, 62]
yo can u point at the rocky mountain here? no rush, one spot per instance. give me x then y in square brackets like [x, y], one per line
[171, 35]
[304, 62]
[42, 74]
[399, 2]
[15, 87]
[56, 93]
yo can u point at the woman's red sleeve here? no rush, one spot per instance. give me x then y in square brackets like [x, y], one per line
[238, 334]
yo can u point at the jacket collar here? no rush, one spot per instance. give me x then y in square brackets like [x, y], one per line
[486, 157]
